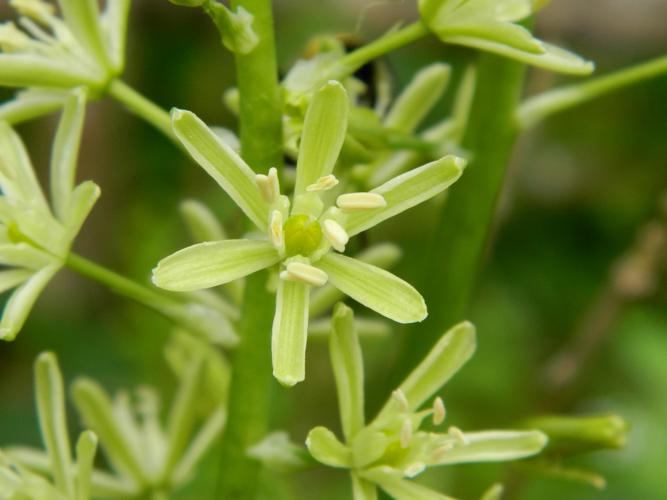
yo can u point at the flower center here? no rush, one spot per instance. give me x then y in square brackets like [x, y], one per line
[303, 235]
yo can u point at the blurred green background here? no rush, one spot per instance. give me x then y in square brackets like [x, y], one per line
[580, 188]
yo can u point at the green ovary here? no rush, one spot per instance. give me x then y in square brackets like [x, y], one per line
[303, 235]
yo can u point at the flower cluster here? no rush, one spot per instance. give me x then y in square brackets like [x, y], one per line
[301, 234]
[145, 457]
[50, 55]
[392, 449]
[34, 237]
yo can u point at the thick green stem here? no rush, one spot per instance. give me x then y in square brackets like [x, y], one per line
[261, 145]
[467, 216]
[142, 107]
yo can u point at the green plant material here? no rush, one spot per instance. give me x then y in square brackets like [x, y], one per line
[35, 238]
[235, 27]
[541, 106]
[294, 238]
[18, 480]
[572, 435]
[460, 242]
[278, 453]
[391, 449]
[490, 26]
[93, 43]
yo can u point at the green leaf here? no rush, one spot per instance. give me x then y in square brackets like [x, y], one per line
[21, 301]
[31, 103]
[23, 70]
[213, 263]
[448, 355]
[323, 134]
[115, 18]
[222, 163]
[418, 98]
[494, 446]
[11, 278]
[325, 447]
[52, 420]
[407, 190]
[81, 202]
[65, 151]
[98, 414]
[384, 255]
[391, 481]
[375, 288]
[17, 176]
[24, 255]
[83, 19]
[348, 368]
[201, 221]
[553, 59]
[86, 447]
[290, 332]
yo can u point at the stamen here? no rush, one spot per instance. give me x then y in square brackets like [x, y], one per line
[399, 397]
[298, 271]
[457, 433]
[440, 452]
[406, 433]
[353, 202]
[268, 185]
[276, 230]
[323, 183]
[439, 411]
[335, 234]
[414, 469]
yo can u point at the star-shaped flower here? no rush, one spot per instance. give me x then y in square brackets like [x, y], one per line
[306, 234]
[49, 54]
[392, 449]
[34, 237]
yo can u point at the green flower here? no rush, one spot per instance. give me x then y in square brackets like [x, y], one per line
[302, 232]
[49, 54]
[490, 25]
[35, 238]
[147, 459]
[68, 479]
[392, 449]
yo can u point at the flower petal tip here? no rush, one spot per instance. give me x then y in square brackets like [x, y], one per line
[287, 380]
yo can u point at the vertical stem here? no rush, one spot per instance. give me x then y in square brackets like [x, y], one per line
[261, 145]
[467, 217]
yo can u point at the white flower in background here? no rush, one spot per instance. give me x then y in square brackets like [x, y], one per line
[306, 234]
[49, 53]
[35, 237]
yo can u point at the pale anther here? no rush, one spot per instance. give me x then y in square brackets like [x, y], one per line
[335, 234]
[298, 271]
[276, 229]
[414, 469]
[354, 202]
[323, 183]
[406, 433]
[457, 433]
[399, 397]
[268, 185]
[440, 452]
[439, 411]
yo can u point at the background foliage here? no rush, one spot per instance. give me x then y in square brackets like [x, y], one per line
[580, 187]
